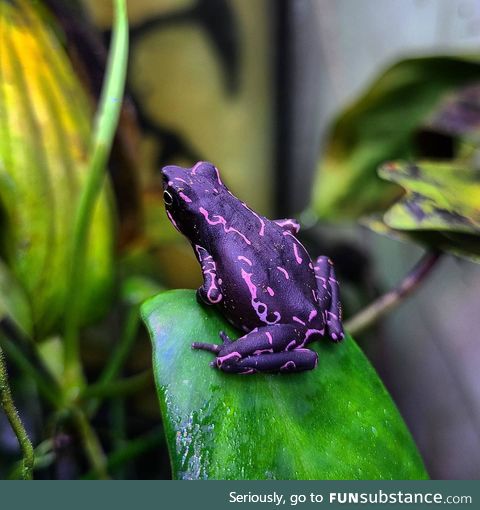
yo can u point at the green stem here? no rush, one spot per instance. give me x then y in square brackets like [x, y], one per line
[106, 123]
[121, 387]
[44, 457]
[384, 304]
[133, 449]
[91, 444]
[45, 383]
[8, 406]
[118, 424]
[120, 355]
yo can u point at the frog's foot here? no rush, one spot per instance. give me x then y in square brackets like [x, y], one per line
[225, 338]
[215, 348]
[329, 297]
[211, 296]
[202, 346]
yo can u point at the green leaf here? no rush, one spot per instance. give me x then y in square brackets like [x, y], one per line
[45, 125]
[335, 422]
[379, 126]
[136, 289]
[458, 115]
[13, 301]
[440, 207]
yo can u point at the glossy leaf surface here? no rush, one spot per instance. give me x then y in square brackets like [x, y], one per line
[335, 422]
[381, 125]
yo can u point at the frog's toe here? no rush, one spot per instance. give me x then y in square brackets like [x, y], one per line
[201, 299]
[225, 338]
[207, 347]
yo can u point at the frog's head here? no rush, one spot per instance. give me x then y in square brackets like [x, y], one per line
[187, 192]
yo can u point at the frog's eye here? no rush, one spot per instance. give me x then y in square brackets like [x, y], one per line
[167, 197]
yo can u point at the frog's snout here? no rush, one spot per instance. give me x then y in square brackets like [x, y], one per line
[166, 172]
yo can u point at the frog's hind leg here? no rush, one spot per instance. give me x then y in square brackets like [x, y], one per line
[260, 349]
[297, 360]
[329, 297]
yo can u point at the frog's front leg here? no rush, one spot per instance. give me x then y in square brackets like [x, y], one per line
[209, 293]
[329, 297]
[273, 348]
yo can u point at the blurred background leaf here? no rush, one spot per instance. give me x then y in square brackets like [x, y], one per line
[45, 123]
[440, 207]
[335, 422]
[382, 125]
[14, 304]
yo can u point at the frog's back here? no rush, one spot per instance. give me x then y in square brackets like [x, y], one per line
[266, 274]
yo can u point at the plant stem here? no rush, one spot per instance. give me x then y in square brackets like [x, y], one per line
[120, 387]
[45, 383]
[106, 123]
[117, 360]
[394, 297]
[91, 444]
[133, 449]
[44, 457]
[120, 355]
[8, 406]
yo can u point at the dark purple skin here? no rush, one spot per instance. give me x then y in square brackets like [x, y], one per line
[256, 273]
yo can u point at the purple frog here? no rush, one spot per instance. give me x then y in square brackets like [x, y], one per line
[256, 272]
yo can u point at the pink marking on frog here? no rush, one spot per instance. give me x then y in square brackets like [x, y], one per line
[180, 179]
[289, 365]
[184, 197]
[309, 333]
[248, 372]
[312, 315]
[315, 297]
[218, 177]
[284, 271]
[310, 265]
[295, 243]
[262, 315]
[262, 223]
[170, 217]
[270, 339]
[296, 319]
[261, 351]
[222, 359]
[291, 345]
[194, 169]
[220, 220]
[209, 267]
[290, 223]
[323, 280]
[297, 256]
[244, 259]
[270, 291]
